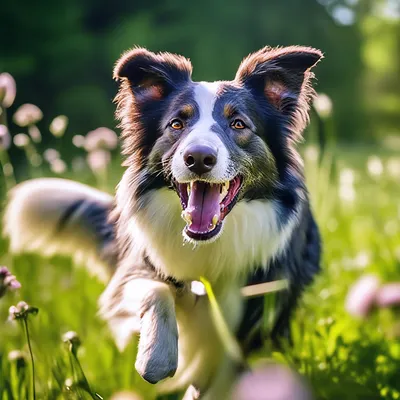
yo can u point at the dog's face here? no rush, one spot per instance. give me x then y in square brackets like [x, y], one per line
[213, 143]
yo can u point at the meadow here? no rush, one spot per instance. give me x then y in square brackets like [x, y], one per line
[355, 194]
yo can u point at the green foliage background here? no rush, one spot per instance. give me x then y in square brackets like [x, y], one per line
[62, 52]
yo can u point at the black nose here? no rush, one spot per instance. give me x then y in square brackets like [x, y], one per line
[200, 158]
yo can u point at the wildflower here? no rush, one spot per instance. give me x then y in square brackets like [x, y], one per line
[98, 160]
[27, 114]
[374, 166]
[323, 105]
[21, 311]
[58, 166]
[101, 138]
[271, 382]
[8, 90]
[388, 295]
[59, 125]
[51, 155]
[73, 341]
[5, 138]
[7, 281]
[21, 140]
[17, 357]
[362, 295]
[34, 133]
[78, 141]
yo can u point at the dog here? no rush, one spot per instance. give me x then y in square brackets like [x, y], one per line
[213, 188]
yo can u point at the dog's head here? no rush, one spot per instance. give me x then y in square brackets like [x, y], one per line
[214, 143]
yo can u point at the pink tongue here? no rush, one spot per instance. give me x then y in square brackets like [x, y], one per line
[203, 205]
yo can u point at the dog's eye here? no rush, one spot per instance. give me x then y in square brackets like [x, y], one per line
[176, 124]
[238, 124]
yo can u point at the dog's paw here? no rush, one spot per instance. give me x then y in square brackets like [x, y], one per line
[154, 369]
[157, 356]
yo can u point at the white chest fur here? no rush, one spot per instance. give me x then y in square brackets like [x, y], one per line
[251, 237]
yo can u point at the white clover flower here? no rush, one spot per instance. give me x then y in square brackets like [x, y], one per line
[59, 125]
[27, 114]
[101, 138]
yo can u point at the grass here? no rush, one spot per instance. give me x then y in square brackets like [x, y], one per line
[359, 216]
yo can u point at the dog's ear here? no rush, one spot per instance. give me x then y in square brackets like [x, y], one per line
[152, 76]
[283, 76]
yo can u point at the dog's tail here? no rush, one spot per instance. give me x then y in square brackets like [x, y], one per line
[57, 216]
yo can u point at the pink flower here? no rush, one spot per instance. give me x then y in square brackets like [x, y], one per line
[58, 166]
[21, 311]
[98, 160]
[101, 138]
[5, 138]
[388, 295]
[7, 281]
[8, 90]
[27, 114]
[271, 382]
[126, 396]
[361, 296]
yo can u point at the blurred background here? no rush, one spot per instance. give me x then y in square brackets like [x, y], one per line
[59, 121]
[62, 53]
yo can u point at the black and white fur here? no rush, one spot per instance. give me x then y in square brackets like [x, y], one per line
[140, 243]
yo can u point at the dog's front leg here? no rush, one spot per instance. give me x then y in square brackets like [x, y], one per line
[157, 356]
[138, 301]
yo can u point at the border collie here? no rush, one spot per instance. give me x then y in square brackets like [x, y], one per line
[213, 188]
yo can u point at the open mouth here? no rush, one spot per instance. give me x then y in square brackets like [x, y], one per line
[205, 205]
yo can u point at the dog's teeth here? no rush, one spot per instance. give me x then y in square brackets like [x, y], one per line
[215, 220]
[187, 217]
[223, 192]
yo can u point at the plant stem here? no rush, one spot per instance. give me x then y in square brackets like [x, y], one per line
[31, 353]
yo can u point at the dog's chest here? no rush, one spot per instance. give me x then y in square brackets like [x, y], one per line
[251, 237]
